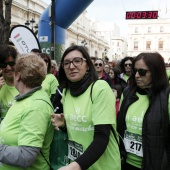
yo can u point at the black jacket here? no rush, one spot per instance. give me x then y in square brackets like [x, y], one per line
[155, 128]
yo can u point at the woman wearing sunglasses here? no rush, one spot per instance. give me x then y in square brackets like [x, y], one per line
[144, 116]
[8, 56]
[102, 75]
[126, 68]
[89, 114]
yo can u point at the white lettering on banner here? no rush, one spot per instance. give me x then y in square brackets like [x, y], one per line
[24, 43]
[46, 50]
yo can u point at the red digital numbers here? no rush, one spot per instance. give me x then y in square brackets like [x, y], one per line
[142, 15]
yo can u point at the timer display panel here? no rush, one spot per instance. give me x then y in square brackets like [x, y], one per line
[142, 15]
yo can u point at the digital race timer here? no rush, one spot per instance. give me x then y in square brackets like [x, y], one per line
[142, 15]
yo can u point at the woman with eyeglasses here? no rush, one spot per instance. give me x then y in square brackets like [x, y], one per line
[50, 83]
[102, 75]
[88, 115]
[126, 68]
[144, 116]
[8, 56]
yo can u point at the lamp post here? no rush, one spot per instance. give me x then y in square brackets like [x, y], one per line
[52, 29]
[105, 52]
[84, 43]
[32, 22]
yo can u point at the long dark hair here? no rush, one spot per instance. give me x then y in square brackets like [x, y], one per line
[6, 51]
[116, 75]
[156, 65]
[46, 56]
[63, 81]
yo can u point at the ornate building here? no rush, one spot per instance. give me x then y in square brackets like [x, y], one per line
[148, 36]
[81, 32]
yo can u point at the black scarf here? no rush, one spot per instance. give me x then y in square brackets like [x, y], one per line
[78, 88]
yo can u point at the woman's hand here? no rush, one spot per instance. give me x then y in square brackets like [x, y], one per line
[72, 166]
[58, 120]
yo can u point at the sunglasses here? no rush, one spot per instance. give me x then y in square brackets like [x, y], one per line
[142, 72]
[10, 63]
[100, 64]
[130, 65]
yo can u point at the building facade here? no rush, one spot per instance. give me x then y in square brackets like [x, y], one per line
[81, 32]
[149, 36]
[26, 10]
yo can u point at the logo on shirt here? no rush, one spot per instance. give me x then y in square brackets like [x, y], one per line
[76, 117]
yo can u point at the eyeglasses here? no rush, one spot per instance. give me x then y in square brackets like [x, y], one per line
[77, 61]
[142, 72]
[4, 65]
[96, 64]
[130, 65]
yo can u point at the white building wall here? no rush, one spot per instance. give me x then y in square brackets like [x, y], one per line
[154, 36]
[98, 41]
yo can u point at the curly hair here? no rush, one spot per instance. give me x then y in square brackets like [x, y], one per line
[122, 62]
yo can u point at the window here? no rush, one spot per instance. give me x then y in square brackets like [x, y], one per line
[117, 44]
[161, 29]
[136, 29]
[160, 45]
[149, 29]
[135, 45]
[148, 45]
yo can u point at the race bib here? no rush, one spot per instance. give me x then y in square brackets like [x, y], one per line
[74, 150]
[133, 143]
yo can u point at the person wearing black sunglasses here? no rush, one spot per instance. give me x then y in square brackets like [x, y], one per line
[99, 66]
[126, 68]
[144, 115]
[8, 55]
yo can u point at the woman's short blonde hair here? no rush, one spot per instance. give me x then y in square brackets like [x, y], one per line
[32, 69]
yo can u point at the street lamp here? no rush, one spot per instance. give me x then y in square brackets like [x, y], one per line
[105, 52]
[32, 22]
[84, 42]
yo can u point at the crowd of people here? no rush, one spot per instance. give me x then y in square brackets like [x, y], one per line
[89, 99]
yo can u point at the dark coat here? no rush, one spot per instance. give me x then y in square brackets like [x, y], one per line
[155, 128]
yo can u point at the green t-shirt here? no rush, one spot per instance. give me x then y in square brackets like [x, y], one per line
[81, 116]
[28, 123]
[133, 133]
[50, 84]
[125, 77]
[168, 74]
[7, 94]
